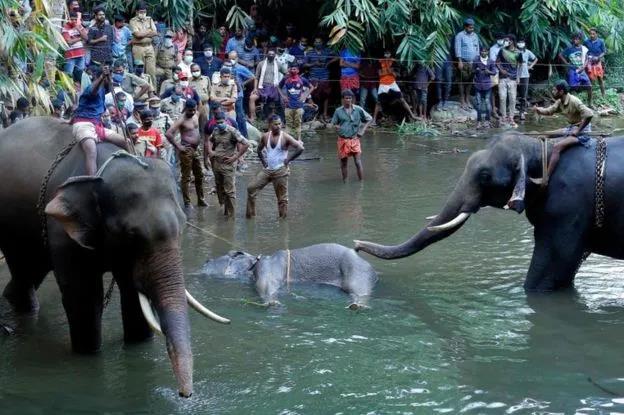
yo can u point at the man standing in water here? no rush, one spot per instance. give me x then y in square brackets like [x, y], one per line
[351, 121]
[188, 154]
[273, 153]
[579, 118]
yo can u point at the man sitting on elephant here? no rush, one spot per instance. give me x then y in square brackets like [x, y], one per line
[87, 125]
[579, 118]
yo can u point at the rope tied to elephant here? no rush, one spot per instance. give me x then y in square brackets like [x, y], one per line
[44, 189]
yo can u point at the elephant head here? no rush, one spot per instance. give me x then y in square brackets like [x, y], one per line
[497, 176]
[131, 218]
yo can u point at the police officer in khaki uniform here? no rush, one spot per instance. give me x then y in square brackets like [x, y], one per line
[221, 151]
[201, 84]
[173, 105]
[166, 57]
[139, 70]
[143, 30]
[162, 122]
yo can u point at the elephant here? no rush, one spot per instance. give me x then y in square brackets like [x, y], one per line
[126, 220]
[327, 263]
[562, 214]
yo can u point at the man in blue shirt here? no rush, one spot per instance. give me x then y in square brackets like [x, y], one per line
[596, 49]
[242, 76]
[466, 51]
[87, 128]
[208, 63]
[236, 43]
[250, 56]
[575, 56]
[318, 61]
[294, 91]
[123, 36]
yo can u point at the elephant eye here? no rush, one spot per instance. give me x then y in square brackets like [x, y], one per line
[485, 176]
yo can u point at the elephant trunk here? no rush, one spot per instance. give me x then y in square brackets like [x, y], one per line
[162, 280]
[454, 214]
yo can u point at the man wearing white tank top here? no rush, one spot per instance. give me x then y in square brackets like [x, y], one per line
[273, 153]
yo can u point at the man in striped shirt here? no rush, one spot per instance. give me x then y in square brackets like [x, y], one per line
[74, 34]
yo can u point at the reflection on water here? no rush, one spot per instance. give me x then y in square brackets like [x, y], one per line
[449, 330]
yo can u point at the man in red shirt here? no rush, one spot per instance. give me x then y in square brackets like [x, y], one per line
[74, 34]
[150, 142]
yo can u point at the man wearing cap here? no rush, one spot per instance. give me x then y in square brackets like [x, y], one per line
[174, 104]
[208, 63]
[579, 119]
[143, 30]
[222, 149]
[351, 121]
[166, 57]
[294, 91]
[225, 93]
[139, 107]
[201, 85]
[162, 122]
[466, 51]
[188, 154]
[139, 71]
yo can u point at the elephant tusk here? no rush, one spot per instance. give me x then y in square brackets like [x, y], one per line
[146, 308]
[432, 217]
[203, 310]
[461, 218]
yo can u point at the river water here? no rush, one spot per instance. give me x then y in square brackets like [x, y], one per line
[449, 330]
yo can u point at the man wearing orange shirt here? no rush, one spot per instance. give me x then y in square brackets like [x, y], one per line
[149, 142]
[388, 84]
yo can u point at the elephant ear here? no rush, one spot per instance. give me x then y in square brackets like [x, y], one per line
[516, 202]
[76, 207]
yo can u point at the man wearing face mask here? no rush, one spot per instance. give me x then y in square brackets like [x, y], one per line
[298, 50]
[508, 64]
[208, 63]
[294, 91]
[162, 122]
[166, 57]
[501, 42]
[129, 82]
[169, 83]
[143, 31]
[266, 87]
[283, 58]
[250, 56]
[243, 77]
[528, 62]
[174, 104]
[201, 84]
[149, 135]
[139, 70]
[225, 93]
[100, 39]
[128, 100]
[236, 43]
[222, 149]
[466, 51]
[187, 61]
[318, 61]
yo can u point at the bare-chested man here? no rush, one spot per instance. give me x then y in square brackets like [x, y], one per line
[188, 154]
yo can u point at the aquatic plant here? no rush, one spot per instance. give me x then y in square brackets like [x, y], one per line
[422, 128]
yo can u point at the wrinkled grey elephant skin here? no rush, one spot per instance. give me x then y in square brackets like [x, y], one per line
[127, 221]
[329, 264]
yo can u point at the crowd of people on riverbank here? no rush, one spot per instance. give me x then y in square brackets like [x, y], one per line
[161, 92]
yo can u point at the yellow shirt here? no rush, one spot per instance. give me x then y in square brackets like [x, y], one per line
[572, 107]
[142, 25]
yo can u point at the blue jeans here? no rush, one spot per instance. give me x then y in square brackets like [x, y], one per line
[482, 104]
[241, 119]
[364, 91]
[444, 77]
[73, 64]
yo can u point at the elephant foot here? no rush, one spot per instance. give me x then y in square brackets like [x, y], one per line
[23, 300]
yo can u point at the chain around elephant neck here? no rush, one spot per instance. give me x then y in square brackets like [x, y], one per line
[601, 164]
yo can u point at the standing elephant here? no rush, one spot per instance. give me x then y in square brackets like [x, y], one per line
[562, 215]
[126, 220]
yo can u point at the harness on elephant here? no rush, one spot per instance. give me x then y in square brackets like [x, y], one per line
[44, 188]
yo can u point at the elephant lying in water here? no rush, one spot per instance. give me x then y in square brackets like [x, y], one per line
[563, 214]
[330, 264]
[126, 220]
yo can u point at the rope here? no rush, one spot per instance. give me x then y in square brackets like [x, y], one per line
[214, 235]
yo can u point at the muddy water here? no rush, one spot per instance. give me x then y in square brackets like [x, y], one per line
[449, 330]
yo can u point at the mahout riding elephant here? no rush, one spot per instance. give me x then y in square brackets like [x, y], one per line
[326, 263]
[127, 220]
[563, 214]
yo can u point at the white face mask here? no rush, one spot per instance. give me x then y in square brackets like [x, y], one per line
[208, 53]
[175, 77]
[168, 42]
[521, 45]
[196, 74]
[184, 83]
[142, 15]
[188, 59]
[233, 62]
[500, 42]
[506, 43]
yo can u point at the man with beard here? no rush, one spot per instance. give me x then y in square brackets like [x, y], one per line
[100, 39]
[266, 84]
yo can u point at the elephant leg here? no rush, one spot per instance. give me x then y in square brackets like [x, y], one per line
[135, 327]
[82, 293]
[559, 248]
[27, 271]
